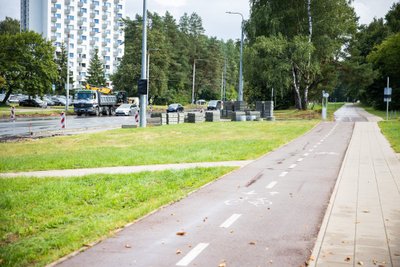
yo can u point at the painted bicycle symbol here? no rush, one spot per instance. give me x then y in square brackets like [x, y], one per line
[255, 201]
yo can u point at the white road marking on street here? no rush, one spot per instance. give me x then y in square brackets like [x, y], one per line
[306, 154]
[271, 184]
[230, 220]
[318, 143]
[311, 150]
[192, 254]
[283, 174]
[292, 166]
[251, 193]
[315, 146]
[300, 159]
[273, 193]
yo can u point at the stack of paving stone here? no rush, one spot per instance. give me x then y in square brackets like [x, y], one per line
[266, 109]
[172, 118]
[228, 109]
[213, 116]
[195, 117]
[163, 118]
[240, 106]
[253, 115]
[239, 116]
[181, 118]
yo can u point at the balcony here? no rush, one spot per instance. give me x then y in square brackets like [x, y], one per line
[80, 41]
[104, 35]
[92, 15]
[116, 1]
[116, 19]
[53, 19]
[80, 13]
[80, 22]
[116, 27]
[53, 10]
[79, 77]
[104, 26]
[67, 2]
[116, 35]
[79, 50]
[80, 31]
[115, 45]
[67, 11]
[79, 60]
[79, 68]
[80, 4]
[67, 30]
[92, 42]
[105, 8]
[53, 28]
[92, 24]
[67, 21]
[103, 53]
[92, 33]
[92, 6]
[104, 16]
[53, 38]
[104, 43]
[54, 1]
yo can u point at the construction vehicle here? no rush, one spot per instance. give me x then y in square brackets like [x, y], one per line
[97, 101]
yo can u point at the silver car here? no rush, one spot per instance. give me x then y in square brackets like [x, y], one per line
[126, 110]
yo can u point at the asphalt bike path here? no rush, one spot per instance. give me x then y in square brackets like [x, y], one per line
[267, 212]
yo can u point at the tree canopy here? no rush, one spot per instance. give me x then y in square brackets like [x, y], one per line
[96, 74]
[26, 63]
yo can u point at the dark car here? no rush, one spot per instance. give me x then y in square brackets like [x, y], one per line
[58, 101]
[33, 102]
[175, 108]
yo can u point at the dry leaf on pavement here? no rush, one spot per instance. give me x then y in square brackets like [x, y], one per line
[181, 233]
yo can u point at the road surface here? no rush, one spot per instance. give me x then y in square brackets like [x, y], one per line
[267, 213]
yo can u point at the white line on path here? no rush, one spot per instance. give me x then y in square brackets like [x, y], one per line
[292, 166]
[306, 154]
[192, 254]
[230, 220]
[300, 159]
[311, 150]
[273, 193]
[283, 174]
[271, 184]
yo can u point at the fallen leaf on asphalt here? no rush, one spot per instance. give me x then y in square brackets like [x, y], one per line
[222, 264]
[347, 259]
[178, 252]
[181, 233]
[205, 219]
[252, 243]
[271, 261]
[366, 211]
[232, 232]
[128, 246]
[374, 261]
[361, 263]
[172, 214]
[87, 245]
[397, 254]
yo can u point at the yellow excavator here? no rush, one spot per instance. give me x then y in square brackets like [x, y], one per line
[103, 90]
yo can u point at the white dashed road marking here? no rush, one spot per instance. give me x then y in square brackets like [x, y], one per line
[283, 174]
[300, 159]
[292, 166]
[306, 154]
[230, 220]
[271, 184]
[192, 254]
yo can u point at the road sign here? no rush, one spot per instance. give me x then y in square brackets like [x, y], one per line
[387, 94]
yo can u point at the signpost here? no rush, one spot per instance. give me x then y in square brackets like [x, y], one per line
[324, 104]
[387, 97]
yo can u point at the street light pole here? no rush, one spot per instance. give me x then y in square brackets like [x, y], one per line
[143, 97]
[194, 77]
[240, 97]
[67, 100]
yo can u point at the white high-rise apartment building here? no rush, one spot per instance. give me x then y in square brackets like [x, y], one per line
[85, 25]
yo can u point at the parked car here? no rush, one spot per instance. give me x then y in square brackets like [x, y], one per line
[33, 102]
[14, 99]
[176, 107]
[126, 110]
[201, 102]
[215, 105]
[58, 101]
[49, 101]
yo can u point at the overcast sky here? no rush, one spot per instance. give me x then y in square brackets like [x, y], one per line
[215, 21]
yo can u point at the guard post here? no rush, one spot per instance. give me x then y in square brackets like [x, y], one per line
[324, 104]
[387, 97]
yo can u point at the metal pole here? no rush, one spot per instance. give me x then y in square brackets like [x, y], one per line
[241, 66]
[143, 98]
[224, 96]
[387, 102]
[240, 96]
[194, 79]
[148, 72]
[67, 100]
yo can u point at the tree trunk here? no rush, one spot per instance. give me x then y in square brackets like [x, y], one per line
[7, 96]
[305, 98]
[296, 88]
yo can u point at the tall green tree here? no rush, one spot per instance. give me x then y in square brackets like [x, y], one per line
[10, 26]
[61, 60]
[27, 63]
[315, 32]
[96, 70]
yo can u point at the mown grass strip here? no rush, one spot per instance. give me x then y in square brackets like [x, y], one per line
[43, 219]
[391, 130]
[154, 145]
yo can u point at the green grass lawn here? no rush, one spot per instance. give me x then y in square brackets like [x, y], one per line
[391, 130]
[31, 111]
[153, 145]
[43, 219]
[310, 114]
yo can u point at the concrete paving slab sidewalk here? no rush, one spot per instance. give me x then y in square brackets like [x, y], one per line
[362, 223]
[125, 169]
